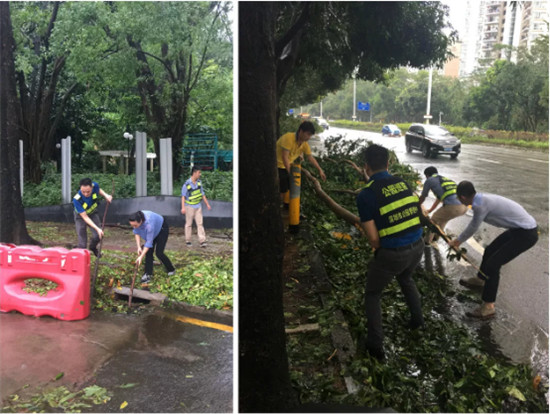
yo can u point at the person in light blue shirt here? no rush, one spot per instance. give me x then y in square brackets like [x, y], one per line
[521, 234]
[192, 194]
[152, 228]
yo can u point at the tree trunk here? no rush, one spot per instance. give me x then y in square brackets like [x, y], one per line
[264, 382]
[12, 216]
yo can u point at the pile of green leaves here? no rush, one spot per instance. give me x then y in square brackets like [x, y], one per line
[199, 280]
[40, 286]
[218, 185]
[207, 283]
[58, 399]
[442, 368]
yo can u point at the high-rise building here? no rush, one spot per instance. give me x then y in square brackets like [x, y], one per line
[495, 28]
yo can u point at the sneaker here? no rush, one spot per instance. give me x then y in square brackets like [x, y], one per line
[172, 273]
[188, 243]
[472, 282]
[482, 313]
[203, 244]
[146, 278]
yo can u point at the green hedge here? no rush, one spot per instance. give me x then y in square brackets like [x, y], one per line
[218, 185]
[466, 133]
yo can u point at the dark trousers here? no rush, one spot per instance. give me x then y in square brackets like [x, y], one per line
[386, 264]
[82, 230]
[503, 249]
[159, 244]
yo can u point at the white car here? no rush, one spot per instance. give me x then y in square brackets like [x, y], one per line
[321, 121]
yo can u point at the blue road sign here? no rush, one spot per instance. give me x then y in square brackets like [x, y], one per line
[291, 111]
[363, 106]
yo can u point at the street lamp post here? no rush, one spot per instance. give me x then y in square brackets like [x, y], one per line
[428, 116]
[128, 137]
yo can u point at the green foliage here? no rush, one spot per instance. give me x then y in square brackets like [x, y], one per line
[40, 286]
[198, 280]
[340, 37]
[207, 283]
[102, 89]
[442, 368]
[58, 399]
[508, 96]
[218, 185]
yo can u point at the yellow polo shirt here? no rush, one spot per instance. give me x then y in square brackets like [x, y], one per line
[288, 142]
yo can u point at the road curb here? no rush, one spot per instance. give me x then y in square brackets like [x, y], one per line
[340, 335]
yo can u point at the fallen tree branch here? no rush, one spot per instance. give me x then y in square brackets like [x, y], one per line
[303, 328]
[362, 172]
[333, 205]
[352, 192]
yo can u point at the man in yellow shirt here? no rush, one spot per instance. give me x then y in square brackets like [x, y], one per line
[289, 147]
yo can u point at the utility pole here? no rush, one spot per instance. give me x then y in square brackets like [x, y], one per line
[354, 74]
[428, 116]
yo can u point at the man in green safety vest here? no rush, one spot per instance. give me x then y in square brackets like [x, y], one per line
[192, 194]
[390, 216]
[445, 192]
[85, 203]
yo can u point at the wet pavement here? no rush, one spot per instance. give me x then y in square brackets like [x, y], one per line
[157, 361]
[520, 329]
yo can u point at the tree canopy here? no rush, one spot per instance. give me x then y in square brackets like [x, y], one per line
[94, 70]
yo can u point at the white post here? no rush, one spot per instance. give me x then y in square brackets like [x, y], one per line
[141, 164]
[354, 91]
[321, 110]
[21, 166]
[429, 96]
[66, 170]
[166, 183]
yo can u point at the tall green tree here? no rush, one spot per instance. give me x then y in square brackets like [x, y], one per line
[12, 216]
[513, 95]
[273, 39]
[164, 64]
[135, 65]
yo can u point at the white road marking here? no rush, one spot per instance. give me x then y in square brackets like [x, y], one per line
[491, 161]
[543, 161]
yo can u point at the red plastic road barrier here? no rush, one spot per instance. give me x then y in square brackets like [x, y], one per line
[70, 269]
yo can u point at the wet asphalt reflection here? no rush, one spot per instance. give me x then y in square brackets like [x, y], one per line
[175, 366]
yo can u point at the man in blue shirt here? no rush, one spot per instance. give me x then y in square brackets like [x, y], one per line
[445, 192]
[192, 194]
[390, 216]
[521, 235]
[85, 203]
[152, 228]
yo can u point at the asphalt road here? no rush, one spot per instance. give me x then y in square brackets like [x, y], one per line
[156, 361]
[521, 175]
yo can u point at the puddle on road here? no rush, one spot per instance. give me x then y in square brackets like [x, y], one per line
[506, 335]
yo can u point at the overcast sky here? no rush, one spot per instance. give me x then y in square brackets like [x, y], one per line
[456, 14]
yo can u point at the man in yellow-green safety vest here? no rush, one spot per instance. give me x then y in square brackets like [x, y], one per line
[390, 216]
[85, 203]
[192, 194]
[445, 192]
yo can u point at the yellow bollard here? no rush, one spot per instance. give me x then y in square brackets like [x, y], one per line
[294, 202]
